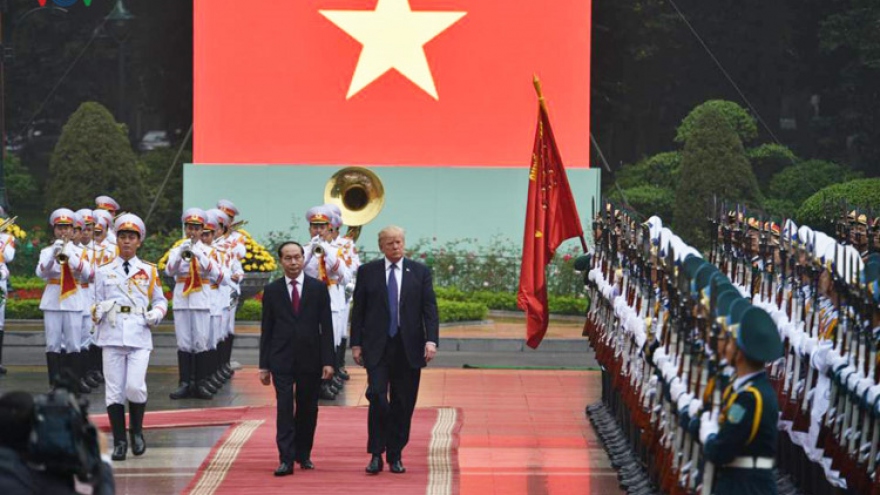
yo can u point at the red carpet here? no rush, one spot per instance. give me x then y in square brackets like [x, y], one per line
[244, 459]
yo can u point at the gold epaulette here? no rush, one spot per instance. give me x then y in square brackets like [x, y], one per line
[107, 262]
[148, 263]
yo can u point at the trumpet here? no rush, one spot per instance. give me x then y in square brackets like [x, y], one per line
[186, 255]
[318, 250]
[62, 258]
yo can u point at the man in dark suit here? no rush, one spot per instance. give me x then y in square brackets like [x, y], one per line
[394, 334]
[296, 350]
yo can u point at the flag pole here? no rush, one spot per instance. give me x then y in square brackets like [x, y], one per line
[543, 103]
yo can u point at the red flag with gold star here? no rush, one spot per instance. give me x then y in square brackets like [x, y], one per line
[551, 217]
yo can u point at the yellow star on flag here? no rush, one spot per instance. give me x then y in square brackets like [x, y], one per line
[393, 37]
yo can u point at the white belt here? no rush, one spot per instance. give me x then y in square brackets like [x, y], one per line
[752, 463]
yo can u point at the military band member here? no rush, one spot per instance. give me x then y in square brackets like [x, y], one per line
[108, 204]
[191, 265]
[83, 238]
[215, 379]
[234, 240]
[229, 292]
[348, 253]
[129, 304]
[7, 254]
[742, 441]
[63, 268]
[105, 250]
[323, 263]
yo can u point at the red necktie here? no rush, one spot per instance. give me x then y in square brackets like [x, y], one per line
[294, 298]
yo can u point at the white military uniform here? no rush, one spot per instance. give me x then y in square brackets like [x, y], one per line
[338, 276]
[192, 312]
[62, 314]
[219, 295]
[349, 254]
[123, 332]
[7, 254]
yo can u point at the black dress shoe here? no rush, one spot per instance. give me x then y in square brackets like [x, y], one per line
[306, 464]
[375, 465]
[284, 469]
[397, 467]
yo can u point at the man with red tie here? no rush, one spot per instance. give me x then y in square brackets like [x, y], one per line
[296, 352]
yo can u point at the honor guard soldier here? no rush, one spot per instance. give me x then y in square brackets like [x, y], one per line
[742, 441]
[7, 254]
[323, 263]
[64, 268]
[192, 268]
[129, 304]
[108, 204]
[230, 292]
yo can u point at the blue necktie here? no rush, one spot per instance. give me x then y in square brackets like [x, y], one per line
[392, 302]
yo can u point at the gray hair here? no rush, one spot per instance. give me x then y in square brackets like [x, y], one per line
[391, 230]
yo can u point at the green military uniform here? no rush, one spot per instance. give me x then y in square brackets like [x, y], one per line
[744, 447]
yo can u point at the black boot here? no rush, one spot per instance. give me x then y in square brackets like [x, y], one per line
[75, 365]
[116, 412]
[341, 372]
[96, 364]
[198, 389]
[223, 366]
[2, 368]
[184, 370]
[85, 363]
[53, 365]
[228, 361]
[136, 427]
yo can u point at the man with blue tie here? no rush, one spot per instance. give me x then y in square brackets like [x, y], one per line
[394, 334]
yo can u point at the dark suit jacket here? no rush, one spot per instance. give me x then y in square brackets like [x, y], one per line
[291, 343]
[370, 315]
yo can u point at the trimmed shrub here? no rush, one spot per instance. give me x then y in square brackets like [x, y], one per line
[862, 192]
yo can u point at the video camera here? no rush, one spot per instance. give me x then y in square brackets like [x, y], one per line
[62, 438]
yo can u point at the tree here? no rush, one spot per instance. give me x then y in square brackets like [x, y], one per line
[864, 193]
[660, 170]
[767, 160]
[648, 200]
[20, 184]
[713, 163]
[93, 157]
[799, 182]
[169, 204]
[736, 117]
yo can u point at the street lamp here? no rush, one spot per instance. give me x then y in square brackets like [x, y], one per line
[118, 21]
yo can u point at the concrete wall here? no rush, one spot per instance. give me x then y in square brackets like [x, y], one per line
[429, 202]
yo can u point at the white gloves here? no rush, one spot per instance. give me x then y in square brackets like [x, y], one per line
[684, 401]
[186, 245]
[154, 317]
[708, 426]
[4, 272]
[676, 388]
[102, 308]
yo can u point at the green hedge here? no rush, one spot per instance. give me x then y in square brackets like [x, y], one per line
[862, 192]
[26, 283]
[449, 311]
[25, 309]
[461, 311]
[506, 301]
[250, 310]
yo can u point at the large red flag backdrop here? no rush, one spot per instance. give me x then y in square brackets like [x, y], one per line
[551, 217]
[387, 82]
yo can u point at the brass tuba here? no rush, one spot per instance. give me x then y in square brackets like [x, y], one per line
[359, 194]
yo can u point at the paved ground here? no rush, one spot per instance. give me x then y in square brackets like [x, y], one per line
[498, 453]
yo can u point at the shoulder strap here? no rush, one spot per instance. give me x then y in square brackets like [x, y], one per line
[759, 409]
